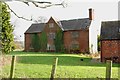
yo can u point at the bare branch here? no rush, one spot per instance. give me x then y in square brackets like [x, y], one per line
[16, 14]
[26, 3]
[35, 4]
[46, 3]
[39, 4]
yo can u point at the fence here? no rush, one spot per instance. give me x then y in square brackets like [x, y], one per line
[54, 67]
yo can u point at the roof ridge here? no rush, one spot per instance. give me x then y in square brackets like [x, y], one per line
[72, 24]
[75, 19]
[112, 21]
[38, 23]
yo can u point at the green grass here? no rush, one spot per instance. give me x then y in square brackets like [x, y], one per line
[39, 65]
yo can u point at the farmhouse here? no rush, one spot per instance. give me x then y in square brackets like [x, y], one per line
[76, 35]
[110, 41]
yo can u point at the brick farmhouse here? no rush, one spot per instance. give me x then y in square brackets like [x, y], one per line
[110, 41]
[76, 34]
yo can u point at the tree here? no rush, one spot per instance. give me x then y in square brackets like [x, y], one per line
[98, 42]
[35, 42]
[43, 41]
[39, 4]
[59, 41]
[41, 19]
[7, 38]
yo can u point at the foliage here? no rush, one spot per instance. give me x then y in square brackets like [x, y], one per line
[36, 42]
[59, 41]
[43, 41]
[7, 38]
[98, 42]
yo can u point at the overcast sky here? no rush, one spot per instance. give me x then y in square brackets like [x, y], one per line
[104, 10]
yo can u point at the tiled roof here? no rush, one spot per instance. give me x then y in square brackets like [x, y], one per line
[110, 30]
[35, 28]
[74, 24]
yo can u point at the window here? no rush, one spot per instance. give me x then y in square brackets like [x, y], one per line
[75, 34]
[119, 30]
[51, 25]
[75, 46]
[51, 36]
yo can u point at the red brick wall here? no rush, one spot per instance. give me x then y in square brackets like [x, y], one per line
[83, 40]
[110, 48]
[49, 30]
[67, 40]
[28, 41]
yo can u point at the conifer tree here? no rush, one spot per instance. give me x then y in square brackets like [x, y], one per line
[7, 38]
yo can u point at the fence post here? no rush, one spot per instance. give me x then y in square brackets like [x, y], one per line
[108, 69]
[12, 67]
[53, 72]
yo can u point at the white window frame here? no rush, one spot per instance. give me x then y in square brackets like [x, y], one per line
[51, 25]
[51, 35]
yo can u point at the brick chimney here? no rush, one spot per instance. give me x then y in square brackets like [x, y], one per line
[91, 14]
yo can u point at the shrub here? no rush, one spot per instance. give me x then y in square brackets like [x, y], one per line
[98, 42]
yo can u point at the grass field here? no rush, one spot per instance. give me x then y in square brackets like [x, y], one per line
[39, 65]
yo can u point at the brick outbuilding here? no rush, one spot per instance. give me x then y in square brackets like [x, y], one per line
[110, 41]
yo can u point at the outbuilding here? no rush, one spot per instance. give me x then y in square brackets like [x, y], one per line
[110, 41]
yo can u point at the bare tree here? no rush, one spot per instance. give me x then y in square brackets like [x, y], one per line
[41, 19]
[39, 4]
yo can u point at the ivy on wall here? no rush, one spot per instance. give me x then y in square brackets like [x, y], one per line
[59, 41]
[43, 41]
[39, 43]
[35, 42]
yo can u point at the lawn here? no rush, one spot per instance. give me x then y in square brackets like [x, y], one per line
[39, 65]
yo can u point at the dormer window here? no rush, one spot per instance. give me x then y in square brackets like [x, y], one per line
[51, 25]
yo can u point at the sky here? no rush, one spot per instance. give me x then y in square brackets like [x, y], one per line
[104, 10]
